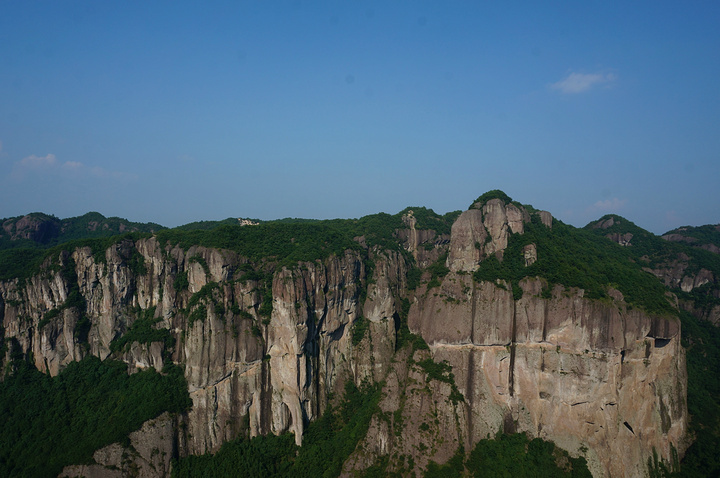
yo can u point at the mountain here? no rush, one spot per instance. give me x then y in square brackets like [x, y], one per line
[38, 229]
[389, 344]
[687, 262]
[705, 237]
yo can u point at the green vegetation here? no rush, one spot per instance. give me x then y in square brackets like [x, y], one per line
[413, 277]
[181, 282]
[197, 305]
[645, 246]
[327, 443]
[143, 331]
[203, 263]
[54, 231]
[208, 225]
[285, 243]
[359, 329]
[582, 258]
[23, 263]
[454, 467]
[513, 455]
[266, 306]
[577, 258]
[199, 313]
[290, 241]
[707, 234]
[403, 335]
[700, 338]
[702, 342]
[442, 372]
[49, 423]
[94, 224]
[20, 262]
[206, 294]
[517, 456]
[429, 219]
[493, 194]
[136, 263]
[437, 271]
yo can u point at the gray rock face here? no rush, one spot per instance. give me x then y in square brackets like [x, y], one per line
[622, 239]
[467, 241]
[530, 254]
[484, 230]
[565, 369]
[599, 379]
[677, 274]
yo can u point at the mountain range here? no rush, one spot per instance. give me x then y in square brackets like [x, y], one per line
[497, 338]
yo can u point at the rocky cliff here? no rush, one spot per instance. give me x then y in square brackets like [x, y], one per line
[266, 347]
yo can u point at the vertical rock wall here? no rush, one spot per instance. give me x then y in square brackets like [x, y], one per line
[599, 379]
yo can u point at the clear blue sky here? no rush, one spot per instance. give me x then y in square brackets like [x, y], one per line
[173, 112]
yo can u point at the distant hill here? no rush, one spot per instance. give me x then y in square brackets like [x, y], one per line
[704, 237]
[39, 229]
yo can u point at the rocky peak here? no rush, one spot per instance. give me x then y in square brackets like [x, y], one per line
[604, 223]
[425, 244]
[484, 229]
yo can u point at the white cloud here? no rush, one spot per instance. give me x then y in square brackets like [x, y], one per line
[608, 205]
[50, 165]
[38, 162]
[579, 82]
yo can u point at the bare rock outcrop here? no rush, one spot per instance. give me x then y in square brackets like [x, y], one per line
[565, 369]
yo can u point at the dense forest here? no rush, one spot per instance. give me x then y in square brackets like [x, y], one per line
[49, 423]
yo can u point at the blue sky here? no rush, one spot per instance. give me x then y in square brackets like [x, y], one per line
[173, 112]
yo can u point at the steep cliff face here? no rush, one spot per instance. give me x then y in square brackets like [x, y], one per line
[271, 372]
[565, 369]
[600, 379]
[264, 348]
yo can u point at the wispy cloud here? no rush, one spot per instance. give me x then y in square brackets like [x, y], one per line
[72, 165]
[38, 162]
[608, 205]
[579, 82]
[49, 164]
